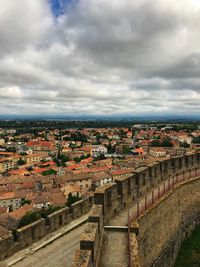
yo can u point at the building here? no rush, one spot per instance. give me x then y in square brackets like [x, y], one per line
[8, 163]
[10, 200]
[98, 151]
[2, 141]
[32, 158]
[101, 178]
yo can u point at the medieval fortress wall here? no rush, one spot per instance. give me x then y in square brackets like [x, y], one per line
[25, 236]
[163, 228]
[157, 229]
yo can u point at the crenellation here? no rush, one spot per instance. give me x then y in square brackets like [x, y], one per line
[58, 218]
[30, 233]
[158, 225]
[96, 216]
[82, 258]
[81, 207]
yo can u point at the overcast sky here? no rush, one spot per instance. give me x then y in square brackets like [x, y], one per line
[99, 57]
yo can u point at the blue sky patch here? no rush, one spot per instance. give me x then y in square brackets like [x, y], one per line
[59, 7]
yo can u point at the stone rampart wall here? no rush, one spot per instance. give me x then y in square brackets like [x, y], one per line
[117, 196]
[163, 228]
[81, 207]
[28, 234]
[91, 239]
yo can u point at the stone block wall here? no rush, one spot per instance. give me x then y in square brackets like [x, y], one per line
[127, 190]
[6, 246]
[57, 219]
[91, 238]
[163, 228]
[81, 207]
[134, 255]
[30, 233]
[83, 258]
[160, 225]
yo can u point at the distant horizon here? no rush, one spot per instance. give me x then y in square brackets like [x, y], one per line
[116, 117]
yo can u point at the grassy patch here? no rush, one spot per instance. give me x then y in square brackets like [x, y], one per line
[189, 254]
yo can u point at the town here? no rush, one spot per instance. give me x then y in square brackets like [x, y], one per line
[46, 170]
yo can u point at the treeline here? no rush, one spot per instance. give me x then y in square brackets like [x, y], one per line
[29, 126]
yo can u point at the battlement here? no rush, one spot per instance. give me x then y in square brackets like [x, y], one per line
[116, 196]
[30, 233]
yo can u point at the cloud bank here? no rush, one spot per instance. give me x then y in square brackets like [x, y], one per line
[100, 57]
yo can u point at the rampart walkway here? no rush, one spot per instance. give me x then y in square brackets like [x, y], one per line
[56, 249]
[114, 250]
[115, 244]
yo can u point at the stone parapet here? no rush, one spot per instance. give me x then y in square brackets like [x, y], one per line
[163, 220]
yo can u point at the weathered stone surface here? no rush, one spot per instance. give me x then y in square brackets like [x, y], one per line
[162, 229]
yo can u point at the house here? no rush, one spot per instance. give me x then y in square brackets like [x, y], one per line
[32, 158]
[99, 150]
[2, 141]
[129, 134]
[100, 179]
[87, 160]
[6, 154]
[184, 138]
[44, 199]
[10, 220]
[139, 151]
[20, 172]
[72, 188]
[8, 163]
[10, 200]
[43, 146]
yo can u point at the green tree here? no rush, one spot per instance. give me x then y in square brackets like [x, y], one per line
[11, 149]
[48, 172]
[21, 162]
[155, 143]
[63, 159]
[72, 199]
[184, 144]
[196, 140]
[77, 160]
[167, 143]
[28, 218]
[25, 201]
[126, 150]
[45, 212]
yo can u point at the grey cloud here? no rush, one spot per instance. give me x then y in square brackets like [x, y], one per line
[101, 57]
